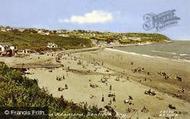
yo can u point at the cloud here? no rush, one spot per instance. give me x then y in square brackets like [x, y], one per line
[96, 16]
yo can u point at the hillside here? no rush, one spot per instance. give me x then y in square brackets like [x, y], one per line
[37, 39]
[122, 38]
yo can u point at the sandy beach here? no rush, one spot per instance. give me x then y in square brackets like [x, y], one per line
[116, 78]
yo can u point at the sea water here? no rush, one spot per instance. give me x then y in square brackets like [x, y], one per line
[174, 49]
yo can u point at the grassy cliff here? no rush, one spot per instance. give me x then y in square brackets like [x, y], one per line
[143, 37]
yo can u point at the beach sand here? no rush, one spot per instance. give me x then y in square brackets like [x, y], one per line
[89, 76]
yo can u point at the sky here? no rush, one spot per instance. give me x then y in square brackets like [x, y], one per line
[97, 15]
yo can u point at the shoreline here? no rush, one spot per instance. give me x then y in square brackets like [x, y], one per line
[150, 56]
[138, 44]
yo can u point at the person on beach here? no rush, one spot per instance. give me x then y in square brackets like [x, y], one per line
[110, 87]
[66, 86]
[114, 100]
[102, 98]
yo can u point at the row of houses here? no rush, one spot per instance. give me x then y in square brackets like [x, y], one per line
[10, 50]
[32, 30]
[7, 50]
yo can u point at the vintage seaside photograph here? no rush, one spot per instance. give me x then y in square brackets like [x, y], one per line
[94, 59]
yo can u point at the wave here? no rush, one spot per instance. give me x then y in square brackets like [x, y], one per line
[183, 54]
[164, 52]
[150, 56]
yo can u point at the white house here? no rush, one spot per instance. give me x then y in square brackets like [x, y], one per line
[52, 45]
[64, 35]
[2, 48]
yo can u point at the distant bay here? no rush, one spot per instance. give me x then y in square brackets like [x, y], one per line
[173, 50]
